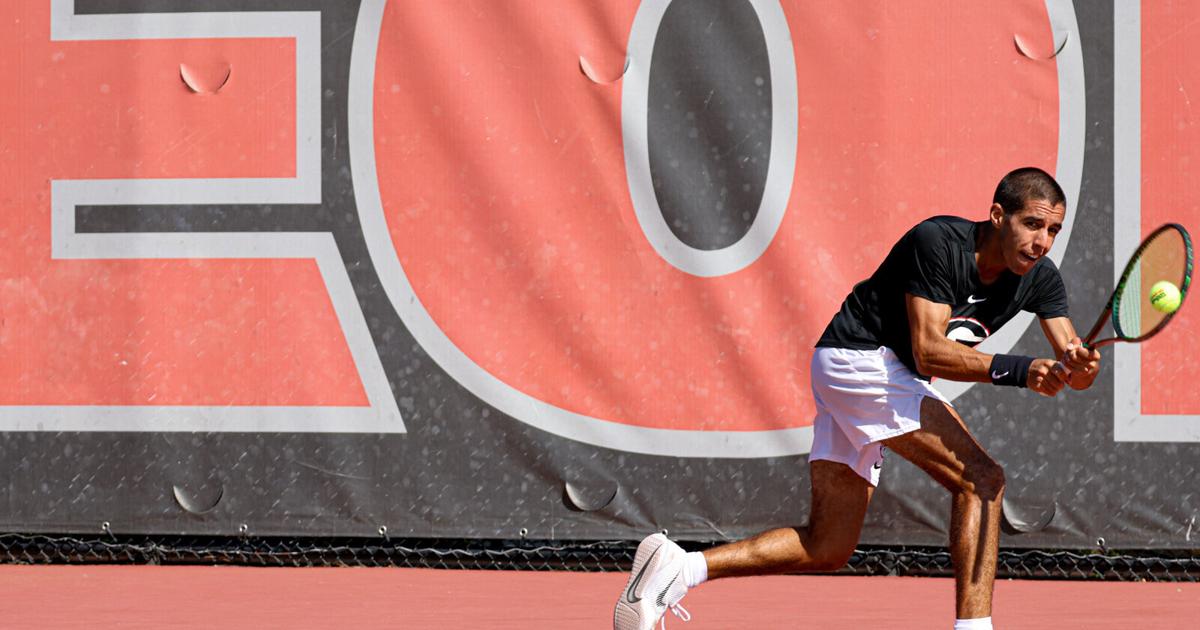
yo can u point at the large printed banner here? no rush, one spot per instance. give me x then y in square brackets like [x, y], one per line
[323, 266]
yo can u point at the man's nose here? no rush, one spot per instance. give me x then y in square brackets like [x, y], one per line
[1042, 242]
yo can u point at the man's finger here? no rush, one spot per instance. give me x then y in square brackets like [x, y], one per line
[1062, 372]
[1078, 366]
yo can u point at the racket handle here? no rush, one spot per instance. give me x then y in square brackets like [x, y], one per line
[1062, 370]
[1100, 322]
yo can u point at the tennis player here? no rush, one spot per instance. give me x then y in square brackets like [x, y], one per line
[944, 287]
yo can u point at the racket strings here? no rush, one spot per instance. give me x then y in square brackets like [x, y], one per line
[1164, 257]
[1129, 317]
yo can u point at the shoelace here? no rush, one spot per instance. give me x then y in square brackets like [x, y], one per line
[679, 611]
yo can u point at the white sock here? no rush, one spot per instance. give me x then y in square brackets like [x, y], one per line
[982, 623]
[695, 569]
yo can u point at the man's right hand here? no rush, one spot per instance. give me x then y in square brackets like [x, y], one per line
[1047, 377]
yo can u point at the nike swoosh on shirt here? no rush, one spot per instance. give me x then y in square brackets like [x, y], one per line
[637, 579]
[971, 299]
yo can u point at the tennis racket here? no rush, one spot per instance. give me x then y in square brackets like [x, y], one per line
[1166, 254]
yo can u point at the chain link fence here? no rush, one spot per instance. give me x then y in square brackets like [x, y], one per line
[529, 555]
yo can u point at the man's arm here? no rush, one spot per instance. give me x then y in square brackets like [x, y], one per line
[940, 356]
[1083, 363]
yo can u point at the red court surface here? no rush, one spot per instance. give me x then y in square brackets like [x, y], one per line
[357, 599]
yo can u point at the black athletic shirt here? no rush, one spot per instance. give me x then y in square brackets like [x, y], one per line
[935, 260]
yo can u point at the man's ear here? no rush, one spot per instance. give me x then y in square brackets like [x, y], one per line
[996, 215]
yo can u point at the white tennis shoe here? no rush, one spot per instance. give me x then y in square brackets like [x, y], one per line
[655, 586]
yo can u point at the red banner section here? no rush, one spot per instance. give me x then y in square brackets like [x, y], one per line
[1170, 188]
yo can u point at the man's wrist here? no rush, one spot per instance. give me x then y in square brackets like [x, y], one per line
[1010, 369]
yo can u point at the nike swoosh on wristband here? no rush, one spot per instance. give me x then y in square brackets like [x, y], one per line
[971, 299]
[637, 579]
[996, 375]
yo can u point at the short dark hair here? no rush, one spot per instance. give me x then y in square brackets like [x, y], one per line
[1027, 184]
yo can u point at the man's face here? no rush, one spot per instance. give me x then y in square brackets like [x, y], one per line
[1027, 234]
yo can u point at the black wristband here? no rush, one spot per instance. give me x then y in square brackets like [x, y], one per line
[1010, 369]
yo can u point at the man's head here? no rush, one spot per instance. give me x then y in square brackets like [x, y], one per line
[1027, 211]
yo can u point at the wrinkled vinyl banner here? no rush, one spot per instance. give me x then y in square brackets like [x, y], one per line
[468, 269]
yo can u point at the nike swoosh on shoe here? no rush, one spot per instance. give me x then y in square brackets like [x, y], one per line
[663, 593]
[637, 579]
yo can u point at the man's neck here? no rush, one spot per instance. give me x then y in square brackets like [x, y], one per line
[989, 259]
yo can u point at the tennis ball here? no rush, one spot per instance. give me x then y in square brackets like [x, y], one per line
[1164, 296]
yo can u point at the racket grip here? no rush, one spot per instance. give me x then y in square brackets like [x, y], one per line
[1062, 370]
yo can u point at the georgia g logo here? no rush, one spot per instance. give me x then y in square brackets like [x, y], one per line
[967, 331]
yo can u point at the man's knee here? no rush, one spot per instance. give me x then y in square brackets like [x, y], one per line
[829, 557]
[984, 479]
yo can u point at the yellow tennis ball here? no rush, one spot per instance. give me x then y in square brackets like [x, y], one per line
[1164, 296]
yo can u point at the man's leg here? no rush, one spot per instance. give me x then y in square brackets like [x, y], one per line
[946, 450]
[839, 504]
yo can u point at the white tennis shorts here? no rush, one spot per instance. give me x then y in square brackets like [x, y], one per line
[863, 397]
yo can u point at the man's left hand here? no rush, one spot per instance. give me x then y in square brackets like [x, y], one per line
[1083, 363]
